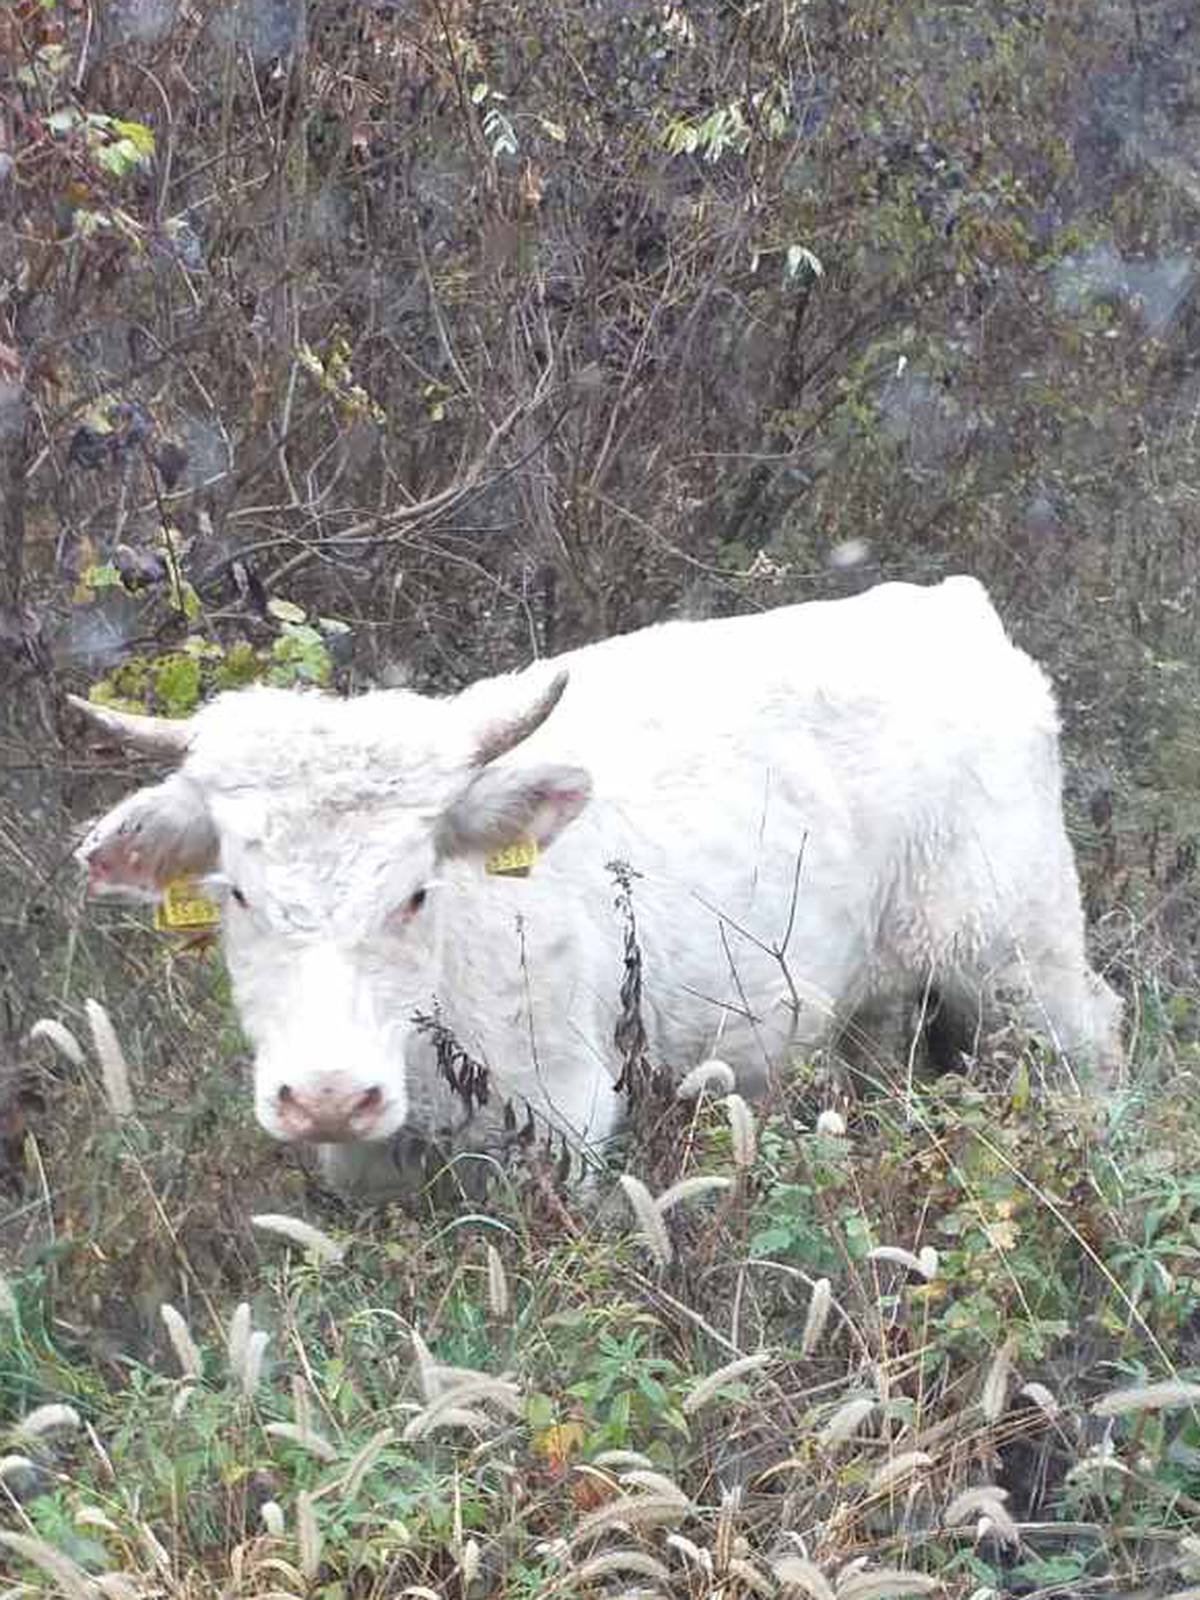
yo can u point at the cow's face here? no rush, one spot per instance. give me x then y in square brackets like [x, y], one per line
[321, 828]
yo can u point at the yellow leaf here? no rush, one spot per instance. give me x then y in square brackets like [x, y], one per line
[559, 1442]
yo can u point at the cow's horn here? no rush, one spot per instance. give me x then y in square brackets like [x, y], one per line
[157, 736]
[501, 737]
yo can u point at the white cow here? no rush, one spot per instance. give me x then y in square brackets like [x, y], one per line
[826, 807]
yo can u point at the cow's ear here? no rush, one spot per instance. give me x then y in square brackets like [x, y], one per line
[511, 805]
[152, 837]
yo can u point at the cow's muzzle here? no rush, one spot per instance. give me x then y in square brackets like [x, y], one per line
[332, 1109]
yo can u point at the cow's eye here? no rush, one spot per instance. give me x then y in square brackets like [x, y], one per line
[415, 902]
[240, 898]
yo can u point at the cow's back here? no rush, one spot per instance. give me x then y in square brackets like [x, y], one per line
[803, 777]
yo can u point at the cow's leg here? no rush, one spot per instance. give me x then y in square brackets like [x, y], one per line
[1001, 915]
[1061, 998]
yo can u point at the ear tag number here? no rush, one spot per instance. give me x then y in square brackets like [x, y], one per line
[184, 906]
[514, 861]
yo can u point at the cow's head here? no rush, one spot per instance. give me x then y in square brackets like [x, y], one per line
[322, 825]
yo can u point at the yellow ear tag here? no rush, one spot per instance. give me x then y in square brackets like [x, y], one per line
[184, 906]
[514, 861]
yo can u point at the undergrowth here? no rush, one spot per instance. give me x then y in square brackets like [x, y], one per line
[943, 1338]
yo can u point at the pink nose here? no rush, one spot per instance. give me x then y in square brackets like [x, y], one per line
[329, 1110]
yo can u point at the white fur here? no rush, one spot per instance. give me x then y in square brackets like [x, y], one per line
[895, 750]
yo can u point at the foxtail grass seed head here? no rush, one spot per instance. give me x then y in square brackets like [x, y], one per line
[308, 1536]
[8, 1300]
[711, 1386]
[723, 1536]
[61, 1037]
[985, 1506]
[364, 1461]
[741, 1127]
[690, 1189]
[997, 1523]
[692, 1554]
[238, 1340]
[995, 1386]
[306, 1438]
[47, 1419]
[256, 1347]
[113, 1069]
[182, 1342]
[1042, 1398]
[819, 1304]
[448, 1377]
[748, 1577]
[319, 1245]
[651, 1227]
[271, 1513]
[653, 1482]
[497, 1285]
[70, 1578]
[846, 1421]
[635, 1561]
[464, 1384]
[427, 1379]
[898, 1469]
[454, 1416]
[631, 1511]
[301, 1404]
[920, 1264]
[622, 1459]
[118, 1586]
[469, 1563]
[967, 1505]
[1146, 1397]
[799, 1577]
[713, 1077]
[15, 1467]
[465, 1397]
[886, 1584]
[95, 1517]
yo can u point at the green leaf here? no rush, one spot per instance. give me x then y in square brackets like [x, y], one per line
[1048, 1572]
[299, 656]
[286, 611]
[177, 684]
[102, 577]
[119, 158]
[304, 635]
[240, 667]
[139, 136]
[539, 1411]
[203, 649]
